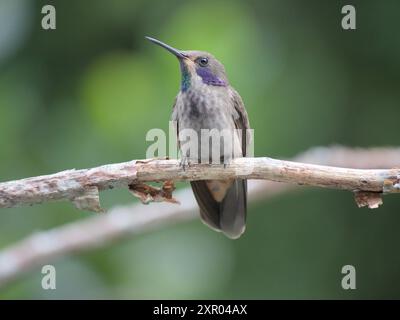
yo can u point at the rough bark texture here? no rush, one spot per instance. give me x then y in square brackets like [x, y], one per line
[98, 230]
[81, 186]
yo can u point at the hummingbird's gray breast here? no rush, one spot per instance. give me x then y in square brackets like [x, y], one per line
[208, 107]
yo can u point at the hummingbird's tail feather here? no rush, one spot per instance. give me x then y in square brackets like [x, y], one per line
[227, 215]
[233, 210]
[209, 208]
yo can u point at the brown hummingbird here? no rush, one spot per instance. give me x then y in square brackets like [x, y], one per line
[207, 102]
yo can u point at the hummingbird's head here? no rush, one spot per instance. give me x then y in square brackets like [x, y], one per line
[197, 65]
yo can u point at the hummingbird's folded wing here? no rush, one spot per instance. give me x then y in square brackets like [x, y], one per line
[209, 207]
[241, 120]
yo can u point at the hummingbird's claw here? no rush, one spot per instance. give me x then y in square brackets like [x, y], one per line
[184, 163]
[227, 161]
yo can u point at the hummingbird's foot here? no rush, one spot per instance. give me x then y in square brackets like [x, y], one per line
[227, 161]
[184, 163]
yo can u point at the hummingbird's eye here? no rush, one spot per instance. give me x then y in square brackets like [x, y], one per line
[203, 62]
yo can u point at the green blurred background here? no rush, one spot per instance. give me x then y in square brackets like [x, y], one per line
[86, 94]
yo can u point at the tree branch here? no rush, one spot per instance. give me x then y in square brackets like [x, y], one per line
[121, 221]
[81, 186]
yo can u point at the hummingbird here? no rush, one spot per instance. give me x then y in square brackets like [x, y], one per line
[206, 100]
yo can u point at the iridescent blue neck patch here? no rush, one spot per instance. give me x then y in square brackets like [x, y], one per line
[185, 84]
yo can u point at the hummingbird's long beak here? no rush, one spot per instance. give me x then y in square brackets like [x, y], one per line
[179, 54]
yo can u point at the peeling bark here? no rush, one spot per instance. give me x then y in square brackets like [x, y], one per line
[99, 230]
[81, 186]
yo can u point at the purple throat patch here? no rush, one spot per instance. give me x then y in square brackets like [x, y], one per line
[209, 78]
